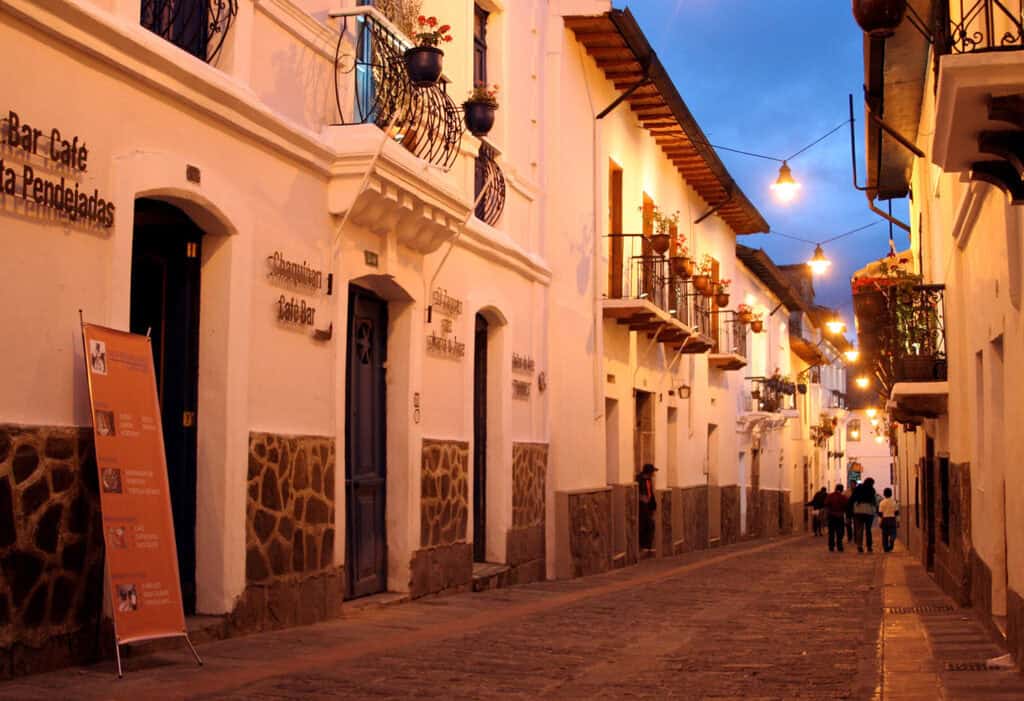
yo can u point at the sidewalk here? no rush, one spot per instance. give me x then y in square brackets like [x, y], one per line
[929, 648]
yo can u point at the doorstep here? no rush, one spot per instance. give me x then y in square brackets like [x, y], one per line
[373, 602]
[490, 575]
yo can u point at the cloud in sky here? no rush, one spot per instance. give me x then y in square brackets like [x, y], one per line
[771, 77]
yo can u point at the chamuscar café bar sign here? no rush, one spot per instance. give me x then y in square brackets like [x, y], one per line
[63, 195]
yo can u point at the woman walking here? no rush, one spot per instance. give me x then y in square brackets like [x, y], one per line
[864, 511]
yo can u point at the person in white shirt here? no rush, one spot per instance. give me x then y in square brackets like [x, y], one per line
[889, 509]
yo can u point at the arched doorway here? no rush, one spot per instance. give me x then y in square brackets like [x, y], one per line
[165, 276]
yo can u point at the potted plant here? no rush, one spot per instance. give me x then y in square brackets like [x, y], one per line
[479, 108]
[756, 323]
[744, 313]
[702, 276]
[663, 226]
[424, 62]
[722, 292]
[680, 261]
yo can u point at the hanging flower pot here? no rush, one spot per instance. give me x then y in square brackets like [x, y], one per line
[424, 65]
[660, 242]
[708, 292]
[722, 299]
[680, 268]
[479, 116]
[879, 18]
[702, 282]
[757, 326]
[425, 62]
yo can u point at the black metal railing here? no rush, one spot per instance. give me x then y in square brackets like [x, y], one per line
[732, 334]
[901, 332]
[837, 400]
[968, 26]
[489, 186]
[770, 394]
[425, 120]
[650, 277]
[196, 26]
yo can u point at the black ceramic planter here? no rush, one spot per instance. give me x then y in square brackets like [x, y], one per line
[424, 65]
[479, 117]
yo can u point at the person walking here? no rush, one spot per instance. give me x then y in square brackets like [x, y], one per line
[864, 511]
[849, 510]
[648, 505]
[888, 509]
[817, 505]
[835, 512]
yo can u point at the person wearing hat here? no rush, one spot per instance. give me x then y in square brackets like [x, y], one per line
[648, 505]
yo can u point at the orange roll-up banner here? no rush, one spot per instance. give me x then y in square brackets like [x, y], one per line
[135, 500]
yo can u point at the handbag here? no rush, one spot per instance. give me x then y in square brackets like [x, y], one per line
[862, 508]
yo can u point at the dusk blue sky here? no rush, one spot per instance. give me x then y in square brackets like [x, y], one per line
[771, 77]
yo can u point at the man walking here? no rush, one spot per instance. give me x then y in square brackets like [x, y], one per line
[817, 505]
[889, 509]
[864, 510]
[849, 514]
[835, 512]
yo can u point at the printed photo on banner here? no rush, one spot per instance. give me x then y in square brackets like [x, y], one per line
[105, 423]
[111, 479]
[117, 537]
[127, 598]
[98, 357]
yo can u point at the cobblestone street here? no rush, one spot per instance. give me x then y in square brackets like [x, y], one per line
[782, 619]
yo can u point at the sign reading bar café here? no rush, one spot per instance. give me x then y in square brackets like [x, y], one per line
[298, 276]
[64, 195]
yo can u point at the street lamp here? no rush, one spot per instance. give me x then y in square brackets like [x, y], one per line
[835, 326]
[863, 382]
[852, 355]
[786, 187]
[872, 412]
[818, 263]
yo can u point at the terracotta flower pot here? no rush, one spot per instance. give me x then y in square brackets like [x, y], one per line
[708, 292]
[424, 65]
[757, 326]
[479, 117]
[744, 317]
[660, 242]
[722, 299]
[879, 18]
[702, 282]
[680, 268]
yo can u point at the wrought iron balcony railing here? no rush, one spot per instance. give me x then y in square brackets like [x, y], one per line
[769, 394]
[650, 277]
[901, 331]
[490, 186]
[196, 26]
[370, 57]
[836, 400]
[732, 335]
[967, 26]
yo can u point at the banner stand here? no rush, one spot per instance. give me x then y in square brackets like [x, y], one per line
[135, 501]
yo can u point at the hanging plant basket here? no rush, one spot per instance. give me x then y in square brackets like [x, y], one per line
[702, 282]
[879, 18]
[424, 65]
[722, 299]
[479, 116]
[744, 317]
[660, 242]
[757, 326]
[708, 291]
[682, 267]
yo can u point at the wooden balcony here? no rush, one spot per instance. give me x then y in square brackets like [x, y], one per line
[730, 352]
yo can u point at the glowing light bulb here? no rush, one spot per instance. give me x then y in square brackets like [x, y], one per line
[835, 326]
[874, 422]
[785, 187]
[879, 440]
[872, 412]
[863, 382]
[855, 435]
[818, 263]
[852, 356]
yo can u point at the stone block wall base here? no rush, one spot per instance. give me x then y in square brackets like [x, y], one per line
[289, 602]
[440, 569]
[981, 586]
[694, 507]
[730, 514]
[583, 532]
[1015, 625]
[952, 560]
[663, 535]
[625, 525]
[525, 545]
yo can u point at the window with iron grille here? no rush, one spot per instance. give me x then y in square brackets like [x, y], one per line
[196, 26]
[479, 78]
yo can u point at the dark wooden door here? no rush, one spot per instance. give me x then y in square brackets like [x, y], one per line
[615, 260]
[365, 458]
[165, 303]
[929, 502]
[480, 441]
